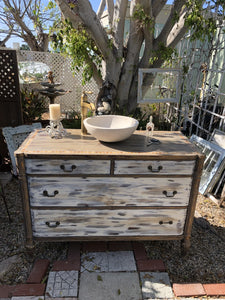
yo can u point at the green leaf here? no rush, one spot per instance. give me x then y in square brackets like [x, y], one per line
[99, 278]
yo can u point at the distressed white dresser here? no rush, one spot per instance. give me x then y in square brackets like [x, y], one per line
[78, 188]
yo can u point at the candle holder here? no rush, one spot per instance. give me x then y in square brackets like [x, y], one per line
[55, 129]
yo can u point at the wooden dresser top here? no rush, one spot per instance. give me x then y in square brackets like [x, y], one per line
[172, 144]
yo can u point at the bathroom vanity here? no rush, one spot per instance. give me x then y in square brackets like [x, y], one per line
[77, 188]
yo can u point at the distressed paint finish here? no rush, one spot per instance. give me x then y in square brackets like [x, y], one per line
[154, 167]
[63, 166]
[173, 146]
[143, 222]
[108, 191]
[78, 188]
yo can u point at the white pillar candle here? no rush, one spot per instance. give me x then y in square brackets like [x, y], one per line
[54, 112]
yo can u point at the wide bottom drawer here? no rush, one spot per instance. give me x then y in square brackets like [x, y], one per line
[108, 191]
[130, 222]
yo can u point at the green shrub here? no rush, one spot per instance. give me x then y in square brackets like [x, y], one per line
[33, 105]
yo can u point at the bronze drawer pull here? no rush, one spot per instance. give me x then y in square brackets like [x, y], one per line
[169, 194]
[165, 222]
[46, 194]
[73, 167]
[52, 224]
[154, 170]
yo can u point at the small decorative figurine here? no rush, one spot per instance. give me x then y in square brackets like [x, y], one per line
[149, 133]
[50, 77]
[105, 99]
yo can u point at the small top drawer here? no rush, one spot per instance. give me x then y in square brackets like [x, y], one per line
[61, 166]
[154, 167]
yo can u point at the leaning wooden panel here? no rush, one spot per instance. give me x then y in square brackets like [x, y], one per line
[108, 191]
[145, 222]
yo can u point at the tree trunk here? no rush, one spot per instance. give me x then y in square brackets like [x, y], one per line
[121, 59]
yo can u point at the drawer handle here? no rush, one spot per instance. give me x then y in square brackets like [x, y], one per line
[46, 194]
[52, 224]
[169, 193]
[155, 170]
[73, 167]
[165, 222]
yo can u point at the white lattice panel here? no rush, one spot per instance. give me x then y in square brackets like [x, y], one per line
[61, 68]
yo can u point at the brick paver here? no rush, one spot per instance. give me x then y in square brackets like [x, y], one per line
[120, 246]
[37, 289]
[39, 271]
[139, 251]
[66, 265]
[94, 246]
[6, 291]
[188, 290]
[151, 265]
[216, 289]
[114, 263]
[74, 251]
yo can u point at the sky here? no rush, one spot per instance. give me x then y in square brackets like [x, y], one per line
[95, 5]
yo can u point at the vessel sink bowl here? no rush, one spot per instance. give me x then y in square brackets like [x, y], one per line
[111, 128]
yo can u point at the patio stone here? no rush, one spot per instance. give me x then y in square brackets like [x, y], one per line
[62, 284]
[156, 285]
[94, 261]
[120, 261]
[110, 286]
[7, 264]
[117, 261]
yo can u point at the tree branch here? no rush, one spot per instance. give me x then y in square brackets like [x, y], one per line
[118, 24]
[101, 9]
[2, 43]
[95, 29]
[96, 75]
[16, 15]
[176, 10]
[148, 30]
[177, 32]
[68, 13]
[110, 7]
[157, 6]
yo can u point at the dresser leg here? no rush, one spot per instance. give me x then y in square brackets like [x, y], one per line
[29, 245]
[185, 245]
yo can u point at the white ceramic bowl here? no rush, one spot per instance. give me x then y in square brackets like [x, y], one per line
[111, 128]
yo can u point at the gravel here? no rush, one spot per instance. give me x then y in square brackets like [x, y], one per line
[204, 262]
